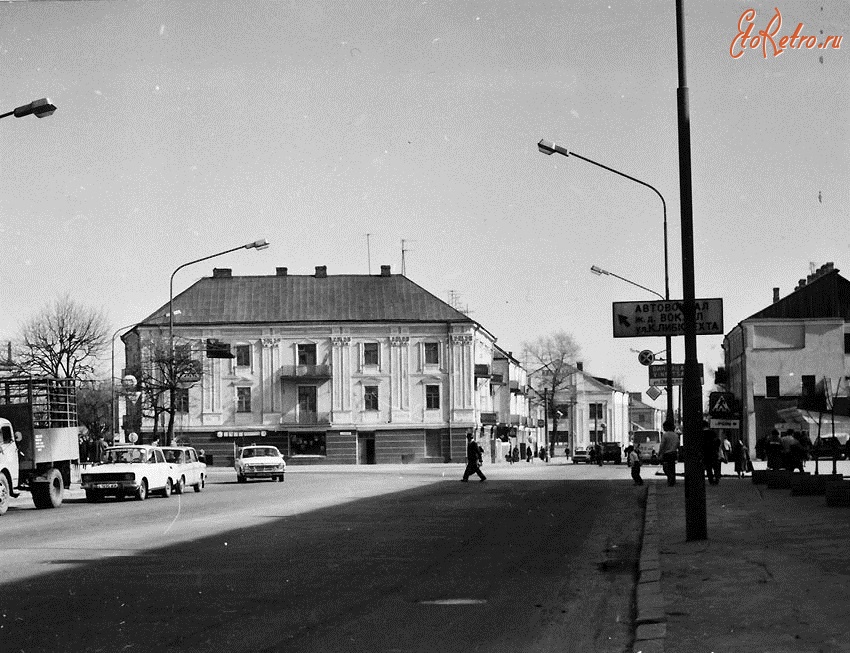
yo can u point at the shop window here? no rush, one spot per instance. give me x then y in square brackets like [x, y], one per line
[771, 384]
[432, 397]
[307, 354]
[371, 353]
[307, 444]
[370, 397]
[432, 353]
[243, 355]
[243, 400]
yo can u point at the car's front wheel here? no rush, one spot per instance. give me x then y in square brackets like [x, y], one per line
[199, 485]
[166, 491]
[181, 485]
[142, 492]
[5, 493]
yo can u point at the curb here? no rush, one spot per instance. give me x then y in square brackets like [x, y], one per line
[650, 620]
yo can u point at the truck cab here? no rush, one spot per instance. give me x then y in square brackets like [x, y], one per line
[8, 464]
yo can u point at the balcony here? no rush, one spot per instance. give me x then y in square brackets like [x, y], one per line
[516, 388]
[305, 372]
[306, 418]
[482, 371]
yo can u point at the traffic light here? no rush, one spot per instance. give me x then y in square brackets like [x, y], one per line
[218, 349]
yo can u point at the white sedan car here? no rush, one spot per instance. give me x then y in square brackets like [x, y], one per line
[259, 462]
[129, 470]
[188, 470]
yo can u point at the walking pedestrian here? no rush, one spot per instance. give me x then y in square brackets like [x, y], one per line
[711, 449]
[668, 451]
[740, 456]
[598, 449]
[634, 462]
[789, 451]
[529, 454]
[516, 454]
[473, 460]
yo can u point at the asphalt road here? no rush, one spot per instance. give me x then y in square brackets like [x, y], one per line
[538, 558]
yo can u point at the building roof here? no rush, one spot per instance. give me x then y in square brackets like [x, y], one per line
[825, 294]
[225, 299]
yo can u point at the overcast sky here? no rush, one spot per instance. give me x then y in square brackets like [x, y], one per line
[189, 127]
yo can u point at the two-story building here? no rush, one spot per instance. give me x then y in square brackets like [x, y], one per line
[329, 368]
[642, 416]
[591, 409]
[780, 355]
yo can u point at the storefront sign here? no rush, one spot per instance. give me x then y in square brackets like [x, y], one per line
[240, 434]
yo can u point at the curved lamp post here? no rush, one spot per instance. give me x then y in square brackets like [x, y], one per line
[549, 148]
[259, 244]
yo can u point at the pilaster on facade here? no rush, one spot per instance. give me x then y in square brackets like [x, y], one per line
[341, 370]
[399, 378]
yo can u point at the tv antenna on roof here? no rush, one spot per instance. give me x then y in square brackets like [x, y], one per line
[368, 253]
[403, 250]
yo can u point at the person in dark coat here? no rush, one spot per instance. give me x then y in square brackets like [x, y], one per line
[711, 453]
[473, 460]
[774, 450]
[99, 449]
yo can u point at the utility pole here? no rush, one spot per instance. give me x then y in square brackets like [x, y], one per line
[403, 250]
[696, 526]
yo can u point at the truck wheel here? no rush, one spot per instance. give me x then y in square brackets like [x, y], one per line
[49, 495]
[142, 492]
[5, 493]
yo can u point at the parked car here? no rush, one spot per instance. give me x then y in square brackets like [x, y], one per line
[829, 447]
[259, 462]
[188, 469]
[581, 456]
[129, 470]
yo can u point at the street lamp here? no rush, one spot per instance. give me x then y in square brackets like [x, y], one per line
[548, 148]
[259, 244]
[38, 108]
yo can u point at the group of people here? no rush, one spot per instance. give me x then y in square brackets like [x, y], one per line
[530, 454]
[789, 451]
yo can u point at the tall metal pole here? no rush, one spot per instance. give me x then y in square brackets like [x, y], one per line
[696, 527]
[112, 395]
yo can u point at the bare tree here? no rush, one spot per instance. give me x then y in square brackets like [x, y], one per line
[551, 363]
[94, 408]
[63, 339]
[162, 375]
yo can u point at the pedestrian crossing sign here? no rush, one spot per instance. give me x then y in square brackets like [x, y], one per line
[720, 404]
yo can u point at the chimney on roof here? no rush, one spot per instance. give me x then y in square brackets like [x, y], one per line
[800, 284]
[222, 273]
[321, 271]
[775, 295]
[385, 270]
[580, 366]
[281, 272]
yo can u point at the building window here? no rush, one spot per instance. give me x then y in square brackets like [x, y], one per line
[370, 353]
[595, 411]
[432, 353]
[307, 354]
[243, 355]
[243, 400]
[370, 397]
[641, 418]
[432, 397]
[771, 384]
[181, 400]
[808, 388]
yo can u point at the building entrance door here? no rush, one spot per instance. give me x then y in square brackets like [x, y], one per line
[365, 448]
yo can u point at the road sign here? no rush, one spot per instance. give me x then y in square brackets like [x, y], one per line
[724, 423]
[721, 404]
[646, 357]
[653, 392]
[658, 374]
[665, 318]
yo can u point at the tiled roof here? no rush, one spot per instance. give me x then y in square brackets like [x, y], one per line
[826, 296]
[306, 298]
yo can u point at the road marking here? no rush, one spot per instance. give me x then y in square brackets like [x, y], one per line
[454, 602]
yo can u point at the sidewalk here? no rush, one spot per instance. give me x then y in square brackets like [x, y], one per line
[773, 577]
